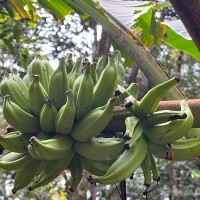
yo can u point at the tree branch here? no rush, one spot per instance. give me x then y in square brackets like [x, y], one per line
[117, 123]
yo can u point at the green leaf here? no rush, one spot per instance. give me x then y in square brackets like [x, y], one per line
[23, 8]
[77, 9]
[141, 19]
[8, 42]
[126, 12]
[3, 17]
[24, 58]
[17, 31]
[59, 9]
[178, 37]
[143, 25]
[157, 30]
[11, 10]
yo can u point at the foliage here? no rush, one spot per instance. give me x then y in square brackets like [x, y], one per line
[137, 16]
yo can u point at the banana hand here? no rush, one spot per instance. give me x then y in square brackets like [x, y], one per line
[149, 103]
[53, 148]
[180, 150]
[169, 132]
[105, 86]
[13, 161]
[52, 169]
[100, 148]
[18, 118]
[15, 141]
[93, 122]
[76, 170]
[25, 175]
[126, 164]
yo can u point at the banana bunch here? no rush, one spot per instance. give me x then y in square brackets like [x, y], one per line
[162, 130]
[57, 118]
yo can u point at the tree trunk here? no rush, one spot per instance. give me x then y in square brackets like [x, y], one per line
[188, 12]
[101, 47]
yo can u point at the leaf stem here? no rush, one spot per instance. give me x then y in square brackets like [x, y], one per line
[134, 48]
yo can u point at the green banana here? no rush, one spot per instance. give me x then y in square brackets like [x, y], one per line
[76, 170]
[93, 122]
[69, 65]
[146, 168]
[135, 132]
[83, 93]
[102, 165]
[126, 163]
[68, 62]
[48, 70]
[106, 83]
[133, 89]
[52, 169]
[121, 70]
[123, 93]
[149, 103]
[18, 118]
[18, 95]
[193, 133]
[19, 81]
[37, 95]
[13, 161]
[38, 67]
[64, 120]
[25, 175]
[88, 165]
[162, 116]
[58, 85]
[15, 141]
[53, 148]
[43, 135]
[110, 148]
[181, 150]
[48, 114]
[154, 168]
[32, 149]
[93, 73]
[100, 65]
[131, 104]
[168, 132]
[26, 80]
[130, 123]
[75, 72]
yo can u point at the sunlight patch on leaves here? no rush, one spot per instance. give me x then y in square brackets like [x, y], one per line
[126, 11]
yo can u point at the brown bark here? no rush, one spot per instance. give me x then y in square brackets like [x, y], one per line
[117, 123]
[104, 44]
[101, 47]
[188, 12]
[133, 75]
